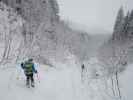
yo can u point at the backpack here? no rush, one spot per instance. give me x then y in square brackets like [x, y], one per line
[28, 68]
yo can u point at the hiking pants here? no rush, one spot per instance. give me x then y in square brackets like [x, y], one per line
[29, 78]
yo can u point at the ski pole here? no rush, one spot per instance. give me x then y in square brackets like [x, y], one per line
[38, 78]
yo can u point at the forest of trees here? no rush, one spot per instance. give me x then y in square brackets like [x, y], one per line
[117, 53]
[42, 35]
[123, 29]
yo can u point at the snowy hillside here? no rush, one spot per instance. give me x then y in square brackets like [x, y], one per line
[43, 35]
[10, 30]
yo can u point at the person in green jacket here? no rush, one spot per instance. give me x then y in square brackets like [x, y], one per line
[29, 70]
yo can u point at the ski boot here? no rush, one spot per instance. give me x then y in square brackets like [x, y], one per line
[27, 84]
[32, 84]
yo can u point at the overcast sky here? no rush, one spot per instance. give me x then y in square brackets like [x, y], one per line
[93, 13]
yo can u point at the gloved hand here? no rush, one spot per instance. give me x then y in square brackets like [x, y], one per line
[22, 65]
[36, 71]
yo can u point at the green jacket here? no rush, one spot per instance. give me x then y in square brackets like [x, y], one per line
[28, 68]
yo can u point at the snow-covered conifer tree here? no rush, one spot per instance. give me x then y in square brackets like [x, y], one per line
[118, 24]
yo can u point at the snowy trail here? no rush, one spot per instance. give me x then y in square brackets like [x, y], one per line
[126, 83]
[55, 85]
[63, 83]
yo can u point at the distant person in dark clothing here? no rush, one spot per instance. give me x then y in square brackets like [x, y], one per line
[82, 71]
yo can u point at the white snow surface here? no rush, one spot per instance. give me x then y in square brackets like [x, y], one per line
[55, 84]
[126, 82]
[59, 83]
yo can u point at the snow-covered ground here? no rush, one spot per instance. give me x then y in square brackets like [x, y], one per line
[55, 84]
[126, 82]
[59, 83]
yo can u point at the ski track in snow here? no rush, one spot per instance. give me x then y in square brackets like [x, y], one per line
[126, 82]
[58, 84]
